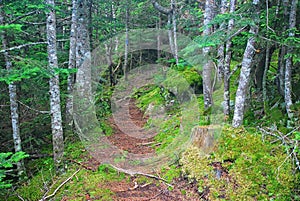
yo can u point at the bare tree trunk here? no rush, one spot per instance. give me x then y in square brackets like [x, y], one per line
[288, 63]
[227, 64]
[126, 42]
[207, 67]
[83, 54]
[282, 52]
[173, 13]
[244, 79]
[221, 55]
[13, 103]
[71, 65]
[264, 79]
[170, 35]
[55, 109]
[158, 26]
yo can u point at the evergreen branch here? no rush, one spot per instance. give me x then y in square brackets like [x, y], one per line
[28, 44]
[22, 16]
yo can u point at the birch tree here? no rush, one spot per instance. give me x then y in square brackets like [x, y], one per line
[12, 88]
[208, 65]
[71, 65]
[288, 63]
[227, 62]
[244, 79]
[55, 108]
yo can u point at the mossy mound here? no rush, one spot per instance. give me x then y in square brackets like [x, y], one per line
[242, 167]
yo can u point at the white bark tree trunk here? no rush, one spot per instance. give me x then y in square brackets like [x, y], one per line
[12, 87]
[208, 66]
[173, 13]
[221, 54]
[288, 63]
[126, 41]
[227, 62]
[244, 79]
[55, 108]
[71, 65]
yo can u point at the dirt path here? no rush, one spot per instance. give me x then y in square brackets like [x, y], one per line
[131, 188]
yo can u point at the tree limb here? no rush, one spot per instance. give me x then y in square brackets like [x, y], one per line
[22, 16]
[28, 44]
[160, 8]
[133, 173]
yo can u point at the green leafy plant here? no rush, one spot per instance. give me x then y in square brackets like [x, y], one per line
[7, 160]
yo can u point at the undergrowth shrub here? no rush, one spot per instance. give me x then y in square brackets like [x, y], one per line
[249, 169]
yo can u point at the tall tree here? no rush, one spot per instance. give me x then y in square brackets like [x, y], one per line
[221, 55]
[71, 65]
[244, 79]
[227, 62]
[208, 65]
[288, 63]
[12, 88]
[55, 108]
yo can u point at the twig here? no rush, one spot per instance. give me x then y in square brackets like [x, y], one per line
[132, 173]
[84, 166]
[21, 46]
[29, 44]
[43, 112]
[146, 143]
[59, 187]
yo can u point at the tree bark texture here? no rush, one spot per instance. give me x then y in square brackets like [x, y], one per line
[288, 63]
[55, 108]
[227, 62]
[244, 79]
[71, 65]
[221, 54]
[12, 88]
[83, 51]
[208, 66]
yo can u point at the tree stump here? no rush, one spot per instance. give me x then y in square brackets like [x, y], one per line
[204, 137]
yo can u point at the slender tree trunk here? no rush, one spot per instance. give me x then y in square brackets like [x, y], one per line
[71, 65]
[173, 13]
[264, 79]
[55, 109]
[208, 66]
[158, 26]
[83, 54]
[282, 52]
[170, 35]
[221, 54]
[90, 17]
[12, 87]
[244, 79]
[288, 63]
[126, 41]
[227, 63]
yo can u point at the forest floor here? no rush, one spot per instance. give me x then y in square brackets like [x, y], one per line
[129, 188]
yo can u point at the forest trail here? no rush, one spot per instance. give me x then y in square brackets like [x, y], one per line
[132, 188]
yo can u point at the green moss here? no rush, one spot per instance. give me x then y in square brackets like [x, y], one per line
[255, 170]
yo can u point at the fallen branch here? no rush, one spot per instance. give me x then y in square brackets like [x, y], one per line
[82, 165]
[59, 187]
[133, 173]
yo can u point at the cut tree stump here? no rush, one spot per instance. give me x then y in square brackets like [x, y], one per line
[204, 137]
